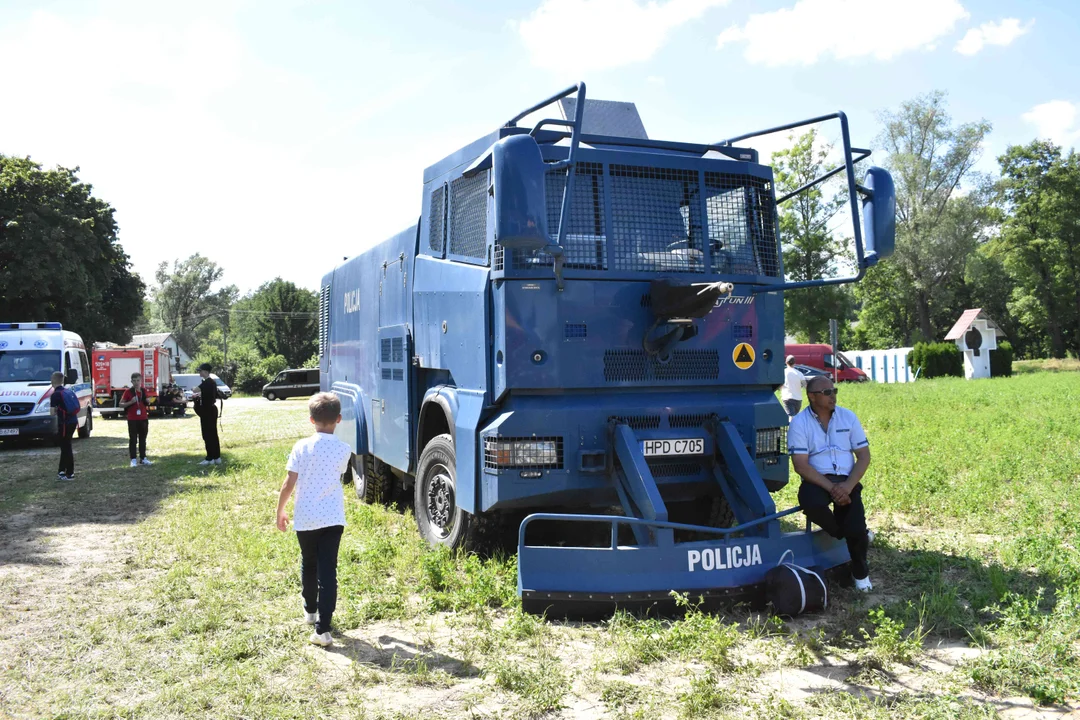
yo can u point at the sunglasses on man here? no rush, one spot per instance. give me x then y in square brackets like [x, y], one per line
[827, 393]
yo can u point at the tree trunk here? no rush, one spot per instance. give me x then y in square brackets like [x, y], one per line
[922, 305]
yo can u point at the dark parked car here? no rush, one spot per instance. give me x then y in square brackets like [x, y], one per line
[810, 372]
[292, 383]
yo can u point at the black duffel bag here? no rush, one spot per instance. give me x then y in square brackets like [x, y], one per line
[793, 589]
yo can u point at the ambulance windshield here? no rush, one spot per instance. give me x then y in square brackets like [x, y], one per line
[28, 365]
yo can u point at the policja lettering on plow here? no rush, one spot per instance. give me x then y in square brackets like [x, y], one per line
[724, 558]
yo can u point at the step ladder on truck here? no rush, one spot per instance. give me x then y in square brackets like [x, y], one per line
[626, 360]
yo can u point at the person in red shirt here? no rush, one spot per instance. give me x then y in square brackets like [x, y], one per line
[134, 401]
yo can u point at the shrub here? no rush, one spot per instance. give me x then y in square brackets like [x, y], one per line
[1001, 360]
[937, 359]
[252, 375]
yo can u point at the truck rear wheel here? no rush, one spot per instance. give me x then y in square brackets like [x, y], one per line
[371, 479]
[438, 517]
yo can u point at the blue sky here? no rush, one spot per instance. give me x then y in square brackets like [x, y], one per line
[278, 137]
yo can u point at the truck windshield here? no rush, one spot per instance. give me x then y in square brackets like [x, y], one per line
[28, 365]
[662, 220]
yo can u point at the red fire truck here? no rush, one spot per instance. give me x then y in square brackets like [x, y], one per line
[113, 367]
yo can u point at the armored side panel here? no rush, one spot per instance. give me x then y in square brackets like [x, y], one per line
[365, 341]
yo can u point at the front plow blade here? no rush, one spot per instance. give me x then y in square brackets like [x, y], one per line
[592, 582]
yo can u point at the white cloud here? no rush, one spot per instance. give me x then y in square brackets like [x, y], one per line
[992, 33]
[1057, 120]
[843, 29]
[202, 147]
[578, 36]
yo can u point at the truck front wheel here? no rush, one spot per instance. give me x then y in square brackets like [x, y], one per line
[438, 517]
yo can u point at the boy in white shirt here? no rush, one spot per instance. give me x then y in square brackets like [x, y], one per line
[314, 468]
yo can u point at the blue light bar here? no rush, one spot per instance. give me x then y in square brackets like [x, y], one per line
[32, 326]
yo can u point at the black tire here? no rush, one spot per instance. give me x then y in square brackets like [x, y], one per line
[438, 517]
[710, 511]
[88, 426]
[371, 479]
[271, 396]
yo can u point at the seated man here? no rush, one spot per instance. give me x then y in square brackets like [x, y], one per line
[830, 453]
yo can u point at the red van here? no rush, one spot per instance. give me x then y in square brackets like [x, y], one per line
[820, 355]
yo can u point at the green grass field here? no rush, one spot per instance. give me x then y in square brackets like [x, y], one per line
[166, 592]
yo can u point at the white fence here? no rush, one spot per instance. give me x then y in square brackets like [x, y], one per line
[889, 366]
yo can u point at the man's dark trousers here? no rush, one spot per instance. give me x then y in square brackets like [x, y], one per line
[845, 521]
[318, 572]
[208, 420]
[67, 457]
[137, 430]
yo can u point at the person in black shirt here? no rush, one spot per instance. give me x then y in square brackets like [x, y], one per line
[205, 400]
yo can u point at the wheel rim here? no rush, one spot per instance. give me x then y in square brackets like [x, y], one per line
[440, 505]
[270, 397]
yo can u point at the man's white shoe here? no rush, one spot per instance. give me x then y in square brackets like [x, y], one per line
[134, 462]
[323, 640]
[311, 618]
[863, 585]
[216, 461]
[869, 536]
[207, 462]
[146, 461]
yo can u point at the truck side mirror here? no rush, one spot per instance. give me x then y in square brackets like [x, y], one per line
[71, 377]
[879, 215]
[518, 176]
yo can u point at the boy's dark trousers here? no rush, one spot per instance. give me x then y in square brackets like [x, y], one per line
[846, 521]
[137, 430]
[67, 457]
[318, 572]
[208, 420]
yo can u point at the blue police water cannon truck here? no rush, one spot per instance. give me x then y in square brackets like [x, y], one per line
[586, 329]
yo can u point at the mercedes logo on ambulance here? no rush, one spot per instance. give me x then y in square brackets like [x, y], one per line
[5, 409]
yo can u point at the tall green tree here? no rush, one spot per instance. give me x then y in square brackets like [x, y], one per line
[60, 258]
[930, 159]
[1040, 242]
[811, 249]
[184, 299]
[280, 319]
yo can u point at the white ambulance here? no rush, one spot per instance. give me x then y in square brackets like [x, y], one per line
[30, 352]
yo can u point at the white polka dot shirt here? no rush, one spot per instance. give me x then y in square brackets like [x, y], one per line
[319, 461]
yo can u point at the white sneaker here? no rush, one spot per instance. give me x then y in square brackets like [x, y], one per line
[134, 462]
[323, 640]
[216, 461]
[863, 585]
[869, 536]
[207, 462]
[61, 476]
[145, 461]
[311, 618]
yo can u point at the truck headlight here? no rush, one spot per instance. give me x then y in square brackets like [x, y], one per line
[771, 441]
[42, 408]
[523, 453]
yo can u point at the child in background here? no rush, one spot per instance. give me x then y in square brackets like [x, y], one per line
[134, 400]
[314, 469]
